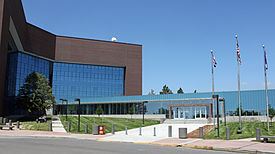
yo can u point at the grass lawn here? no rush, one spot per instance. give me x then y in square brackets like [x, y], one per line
[248, 130]
[32, 125]
[119, 123]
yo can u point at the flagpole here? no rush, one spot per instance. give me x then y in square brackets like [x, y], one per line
[266, 96]
[213, 114]
[239, 91]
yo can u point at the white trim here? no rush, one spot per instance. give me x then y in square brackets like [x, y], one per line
[15, 35]
[140, 101]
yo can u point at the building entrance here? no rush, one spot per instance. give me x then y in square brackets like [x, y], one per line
[190, 111]
[198, 112]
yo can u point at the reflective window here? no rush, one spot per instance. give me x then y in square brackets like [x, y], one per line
[78, 80]
[20, 65]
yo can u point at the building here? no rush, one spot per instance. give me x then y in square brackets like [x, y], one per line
[175, 106]
[75, 67]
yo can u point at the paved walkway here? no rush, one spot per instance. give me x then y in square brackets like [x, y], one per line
[29, 133]
[244, 145]
[57, 126]
[225, 145]
[147, 133]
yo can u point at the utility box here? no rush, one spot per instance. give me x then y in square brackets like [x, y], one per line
[95, 130]
[101, 130]
[182, 133]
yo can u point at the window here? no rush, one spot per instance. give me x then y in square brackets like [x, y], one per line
[87, 80]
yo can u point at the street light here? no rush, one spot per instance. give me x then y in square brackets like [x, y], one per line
[218, 114]
[143, 111]
[77, 99]
[66, 109]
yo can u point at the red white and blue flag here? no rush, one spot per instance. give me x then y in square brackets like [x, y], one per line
[238, 53]
[214, 61]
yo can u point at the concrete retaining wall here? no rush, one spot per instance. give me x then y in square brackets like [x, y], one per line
[247, 118]
[134, 116]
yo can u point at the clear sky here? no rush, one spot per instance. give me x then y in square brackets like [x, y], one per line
[177, 36]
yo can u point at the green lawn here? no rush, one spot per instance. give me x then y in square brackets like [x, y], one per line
[119, 123]
[248, 130]
[32, 125]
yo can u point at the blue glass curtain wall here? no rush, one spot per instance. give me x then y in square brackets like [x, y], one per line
[90, 109]
[20, 65]
[79, 80]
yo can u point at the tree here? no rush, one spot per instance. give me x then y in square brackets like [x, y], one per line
[163, 111]
[72, 108]
[195, 91]
[237, 111]
[180, 91]
[166, 90]
[271, 112]
[35, 95]
[99, 110]
[152, 92]
[131, 110]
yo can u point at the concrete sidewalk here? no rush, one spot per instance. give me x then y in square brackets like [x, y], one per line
[29, 133]
[147, 133]
[57, 126]
[223, 145]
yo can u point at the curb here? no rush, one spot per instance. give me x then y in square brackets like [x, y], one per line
[196, 147]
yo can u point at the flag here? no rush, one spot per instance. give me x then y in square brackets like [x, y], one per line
[265, 60]
[238, 53]
[214, 61]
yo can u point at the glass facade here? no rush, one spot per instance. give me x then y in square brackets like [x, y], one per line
[67, 80]
[196, 105]
[20, 65]
[149, 108]
[78, 81]
[89, 109]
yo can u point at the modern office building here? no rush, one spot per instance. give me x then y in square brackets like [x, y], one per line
[98, 72]
[175, 106]
[75, 67]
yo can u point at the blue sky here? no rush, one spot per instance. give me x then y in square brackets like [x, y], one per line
[176, 35]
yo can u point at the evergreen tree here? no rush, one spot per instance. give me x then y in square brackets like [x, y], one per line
[195, 91]
[237, 111]
[99, 110]
[166, 90]
[180, 91]
[152, 92]
[271, 112]
[72, 108]
[131, 110]
[35, 95]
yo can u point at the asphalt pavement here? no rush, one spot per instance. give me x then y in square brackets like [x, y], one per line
[44, 145]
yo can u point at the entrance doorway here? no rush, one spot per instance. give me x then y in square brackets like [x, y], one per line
[196, 112]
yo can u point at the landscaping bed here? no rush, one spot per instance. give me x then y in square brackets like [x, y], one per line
[119, 123]
[248, 130]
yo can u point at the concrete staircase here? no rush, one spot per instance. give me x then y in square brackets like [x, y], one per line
[57, 126]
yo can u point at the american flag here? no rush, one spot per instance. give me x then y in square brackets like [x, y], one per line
[238, 53]
[214, 61]
[265, 60]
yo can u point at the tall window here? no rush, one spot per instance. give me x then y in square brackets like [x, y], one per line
[20, 65]
[77, 80]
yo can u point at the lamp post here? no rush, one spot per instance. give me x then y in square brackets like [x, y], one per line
[61, 106]
[218, 114]
[77, 99]
[143, 112]
[66, 109]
